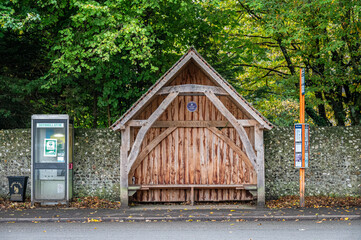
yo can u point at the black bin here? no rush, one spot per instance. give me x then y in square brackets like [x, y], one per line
[17, 188]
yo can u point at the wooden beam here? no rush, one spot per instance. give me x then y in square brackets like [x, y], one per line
[133, 165]
[196, 186]
[136, 123]
[222, 124]
[234, 146]
[239, 128]
[260, 166]
[192, 88]
[131, 139]
[247, 122]
[143, 131]
[123, 167]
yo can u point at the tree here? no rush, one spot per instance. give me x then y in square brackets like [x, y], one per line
[100, 56]
[275, 38]
[94, 59]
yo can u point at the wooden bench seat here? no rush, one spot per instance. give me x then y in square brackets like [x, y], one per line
[250, 187]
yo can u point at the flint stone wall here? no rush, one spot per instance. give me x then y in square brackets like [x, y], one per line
[334, 169]
[334, 162]
[95, 161]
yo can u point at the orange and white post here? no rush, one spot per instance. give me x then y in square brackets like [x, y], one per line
[302, 120]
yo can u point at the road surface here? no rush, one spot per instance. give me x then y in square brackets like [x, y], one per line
[184, 230]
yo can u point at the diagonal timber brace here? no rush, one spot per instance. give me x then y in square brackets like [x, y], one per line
[133, 165]
[234, 146]
[143, 131]
[239, 128]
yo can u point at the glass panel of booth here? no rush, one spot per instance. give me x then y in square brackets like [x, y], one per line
[50, 143]
[50, 184]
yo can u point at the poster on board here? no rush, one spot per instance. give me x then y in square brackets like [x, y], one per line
[301, 145]
[50, 147]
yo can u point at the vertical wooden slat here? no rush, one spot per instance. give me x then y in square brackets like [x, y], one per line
[167, 158]
[228, 166]
[240, 166]
[191, 158]
[198, 156]
[215, 166]
[186, 155]
[173, 154]
[221, 162]
[156, 170]
[233, 160]
[143, 177]
[220, 165]
[181, 105]
[175, 135]
[167, 164]
[203, 157]
[206, 164]
[210, 162]
[221, 169]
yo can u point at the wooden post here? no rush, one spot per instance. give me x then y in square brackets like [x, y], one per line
[302, 120]
[123, 167]
[192, 196]
[260, 169]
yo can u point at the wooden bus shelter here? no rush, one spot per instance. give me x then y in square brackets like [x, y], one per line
[192, 137]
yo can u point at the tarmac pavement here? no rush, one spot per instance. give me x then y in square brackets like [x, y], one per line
[154, 213]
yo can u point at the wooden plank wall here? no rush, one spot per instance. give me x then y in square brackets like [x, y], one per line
[191, 75]
[193, 155]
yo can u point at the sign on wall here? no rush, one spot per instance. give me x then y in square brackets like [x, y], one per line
[50, 125]
[192, 106]
[50, 147]
[301, 144]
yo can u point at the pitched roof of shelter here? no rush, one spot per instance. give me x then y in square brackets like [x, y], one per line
[191, 55]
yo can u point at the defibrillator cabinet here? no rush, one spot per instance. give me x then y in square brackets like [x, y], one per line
[51, 159]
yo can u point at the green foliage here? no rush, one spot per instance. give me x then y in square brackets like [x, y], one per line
[94, 59]
[97, 57]
[277, 38]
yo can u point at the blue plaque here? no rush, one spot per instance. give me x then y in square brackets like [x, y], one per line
[192, 106]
